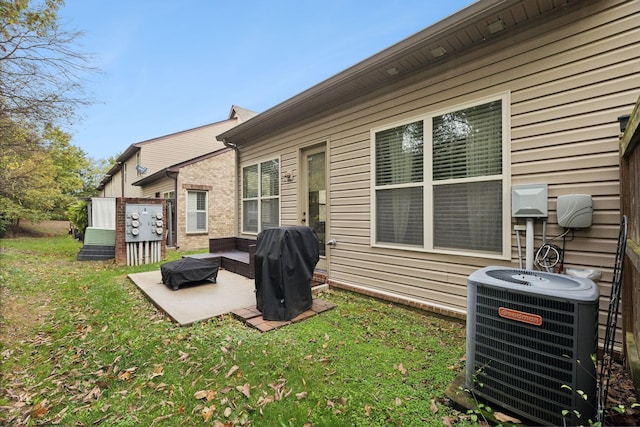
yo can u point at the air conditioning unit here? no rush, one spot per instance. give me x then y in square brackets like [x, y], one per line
[532, 338]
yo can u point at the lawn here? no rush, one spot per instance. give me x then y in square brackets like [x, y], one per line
[82, 346]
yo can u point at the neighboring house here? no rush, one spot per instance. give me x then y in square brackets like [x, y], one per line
[404, 163]
[200, 195]
[192, 170]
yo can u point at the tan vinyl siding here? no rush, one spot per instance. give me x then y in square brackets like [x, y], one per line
[172, 149]
[568, 80]
[160, 186]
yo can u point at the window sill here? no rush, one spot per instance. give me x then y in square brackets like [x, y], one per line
[466, 254]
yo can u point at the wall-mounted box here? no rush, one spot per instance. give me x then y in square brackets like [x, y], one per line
[574, 210]
[143, 223]
[529, 201]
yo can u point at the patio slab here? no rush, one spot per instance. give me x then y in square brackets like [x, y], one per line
[197, 301]
[232, 293]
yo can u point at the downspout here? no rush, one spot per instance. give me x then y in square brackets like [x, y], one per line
[122, 170]
[236, 166]
[174, 177]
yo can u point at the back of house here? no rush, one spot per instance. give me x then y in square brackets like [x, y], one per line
[404, 163]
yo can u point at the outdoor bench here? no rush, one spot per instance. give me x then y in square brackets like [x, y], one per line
[233, 254]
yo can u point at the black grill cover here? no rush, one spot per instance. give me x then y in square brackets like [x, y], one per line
[285, 259]
[186, 270]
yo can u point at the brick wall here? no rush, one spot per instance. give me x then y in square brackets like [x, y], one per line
[216, 176]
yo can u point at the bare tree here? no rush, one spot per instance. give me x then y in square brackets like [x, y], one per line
[41, 73]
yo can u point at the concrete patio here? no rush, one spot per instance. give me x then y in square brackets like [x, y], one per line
[195, 302]
[198, 301]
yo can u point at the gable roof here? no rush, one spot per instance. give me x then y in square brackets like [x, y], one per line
[478, 26]
[236, 113]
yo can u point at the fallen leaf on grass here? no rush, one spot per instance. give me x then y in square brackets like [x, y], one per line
[302, 395]
[209, 395]
[324, 361]
[183, 356]
[127, 373]
[233, 369]
[40, 410]
[263, 400]
[207, 412]
[225, 390]
[58, 418]
[398, 401]
[434, 407]
[245, 389]
[158, 370]
[279, 388]
[160, 419]
[367, 410]
[402, 369]
[227, 412]
[504, 418]
[94, 394]
[446, 421]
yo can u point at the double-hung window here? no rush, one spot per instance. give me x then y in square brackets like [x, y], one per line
[439, 181]
[261, 196]
[196, 211]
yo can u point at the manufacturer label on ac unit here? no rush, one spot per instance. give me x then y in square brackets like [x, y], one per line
[520, 316]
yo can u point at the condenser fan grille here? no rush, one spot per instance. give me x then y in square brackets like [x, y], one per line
[511, 357]
[526, 346]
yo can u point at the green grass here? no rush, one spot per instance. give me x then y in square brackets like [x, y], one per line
[83, 346]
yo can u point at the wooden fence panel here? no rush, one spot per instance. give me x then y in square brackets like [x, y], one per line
[630, 206]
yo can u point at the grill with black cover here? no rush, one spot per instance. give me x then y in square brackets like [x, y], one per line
[284, 260]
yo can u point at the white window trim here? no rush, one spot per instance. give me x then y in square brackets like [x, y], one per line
[259, 198]
[428, 187]
[206, 210]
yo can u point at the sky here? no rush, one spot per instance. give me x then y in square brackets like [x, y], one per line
[168, 66]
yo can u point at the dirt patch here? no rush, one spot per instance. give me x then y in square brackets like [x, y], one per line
[39, 229]
[19, 319]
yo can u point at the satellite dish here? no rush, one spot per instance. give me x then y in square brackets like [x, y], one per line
[141, 169]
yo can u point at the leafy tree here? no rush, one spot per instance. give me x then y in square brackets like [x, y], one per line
[68, 162]
[28, 188]
[40, 70]
[93, 174]
[40, 176]
[79, 216]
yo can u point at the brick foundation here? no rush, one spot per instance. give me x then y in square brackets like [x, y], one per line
[398, 299]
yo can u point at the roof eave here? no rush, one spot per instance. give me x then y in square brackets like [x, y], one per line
[449, 25]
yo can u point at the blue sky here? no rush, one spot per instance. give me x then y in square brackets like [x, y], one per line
[168, 66]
